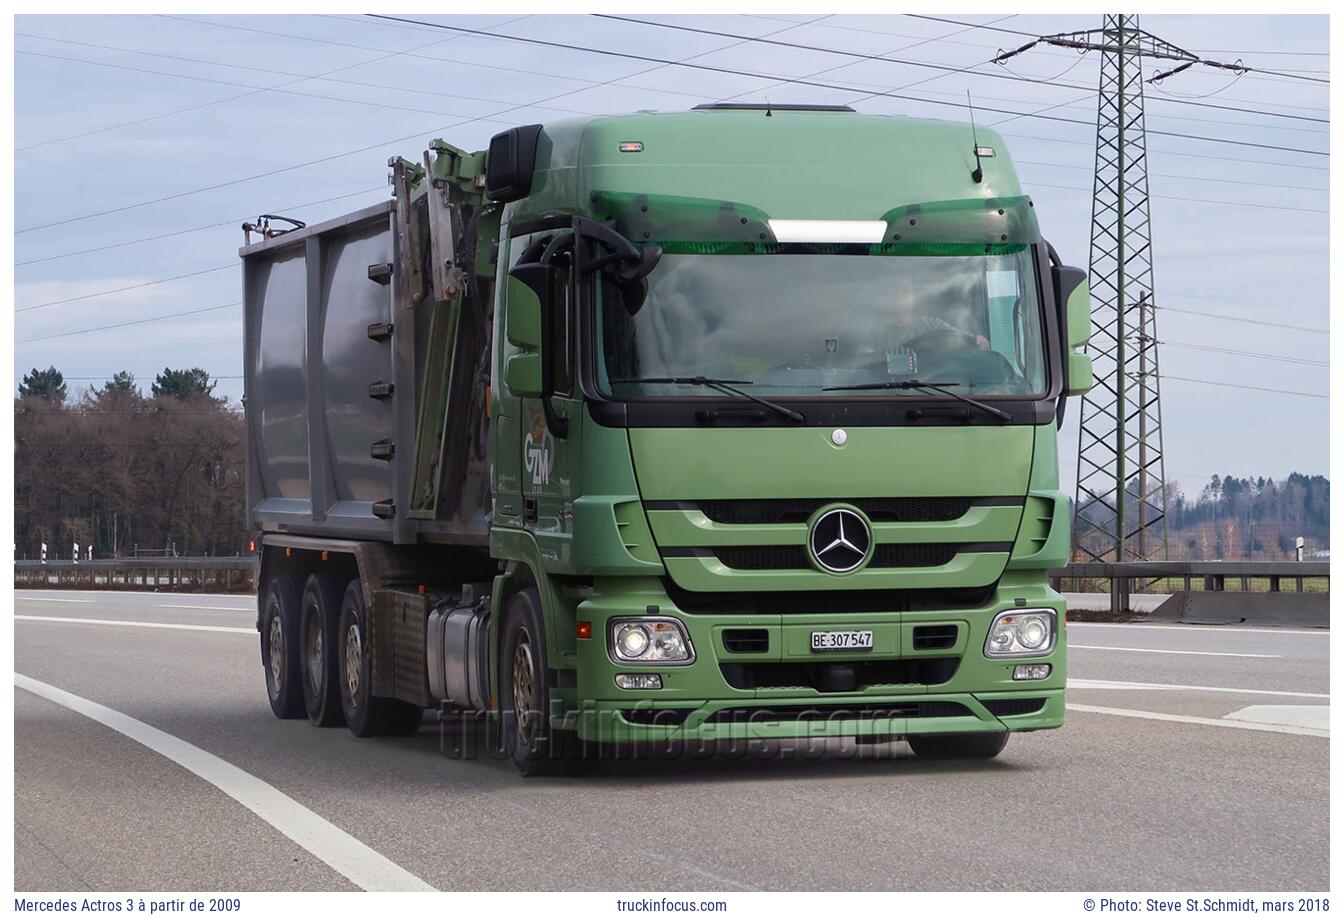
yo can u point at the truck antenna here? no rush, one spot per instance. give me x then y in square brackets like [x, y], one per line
[977, 174]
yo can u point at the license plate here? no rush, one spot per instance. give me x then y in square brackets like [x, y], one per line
[842, 640]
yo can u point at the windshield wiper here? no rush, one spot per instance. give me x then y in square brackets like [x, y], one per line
[724, 386]
[924, 385]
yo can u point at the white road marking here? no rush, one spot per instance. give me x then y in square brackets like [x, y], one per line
[1084, 684]
[1169, 651]
[362, 865]
[1199, 720]
[56, 600]
[1317, 717]
[1262, 630]
[83, 621]
[199, 607]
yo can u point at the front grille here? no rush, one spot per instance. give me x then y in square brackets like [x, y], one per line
[823, 677]
[827, 602]
[912, 555]
[798, 510]
[926, 709]
[886, 556]
[1014, 707]
[757, 558]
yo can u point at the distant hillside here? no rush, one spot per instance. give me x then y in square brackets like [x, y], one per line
[1234, 518]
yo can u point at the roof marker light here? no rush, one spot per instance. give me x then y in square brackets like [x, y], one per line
[630, 146]
[828, 231]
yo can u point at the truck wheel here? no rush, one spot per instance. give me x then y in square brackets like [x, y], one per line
[365, 714]
[319, 621]
[973, 746]
[525, 696]
[280, 647]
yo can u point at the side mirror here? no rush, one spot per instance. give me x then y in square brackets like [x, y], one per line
[1075, 303]
[633, 286]
[527, 300]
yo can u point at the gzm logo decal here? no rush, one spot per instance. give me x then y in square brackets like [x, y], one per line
[538, 450]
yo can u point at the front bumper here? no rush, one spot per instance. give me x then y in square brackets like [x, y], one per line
[911, 688]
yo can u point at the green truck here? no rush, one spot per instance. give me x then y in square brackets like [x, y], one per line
[696, 427]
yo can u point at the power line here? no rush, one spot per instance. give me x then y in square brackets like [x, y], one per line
[325, 159]
[256, 91]
[805, 47]
[134, 322]
[1238, 204]
[803, 82]
[1184, 178]
[1225, 51]
[1245, 386]
[173, 233]
[1034, 35]
[537, 103]
[427, 57]
[1241, 319]
[129, 287]
[1287, 359]
[326, 77]
[1252, 303]
[1169, 153]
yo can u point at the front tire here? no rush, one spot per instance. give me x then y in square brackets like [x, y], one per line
[365, 714]
[972, 746]
[319, 624]
[535, 748]
[280, 647]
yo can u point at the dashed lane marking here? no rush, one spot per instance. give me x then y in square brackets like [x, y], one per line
[1169, 651]
[85, 621]
[1199, 720]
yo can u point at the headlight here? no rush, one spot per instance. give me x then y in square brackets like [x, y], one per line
[1021, 634]
[652, 640]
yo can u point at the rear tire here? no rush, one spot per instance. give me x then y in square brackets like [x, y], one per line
[319, 624]
[535, 748]
[365, 714]
[280, 647]
[972, 746]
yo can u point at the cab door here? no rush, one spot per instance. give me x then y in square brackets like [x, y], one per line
[548, 462]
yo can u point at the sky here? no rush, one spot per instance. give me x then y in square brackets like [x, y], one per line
[178, 128]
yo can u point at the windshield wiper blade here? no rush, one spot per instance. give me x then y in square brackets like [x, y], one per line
[725, 386]
[925, 385]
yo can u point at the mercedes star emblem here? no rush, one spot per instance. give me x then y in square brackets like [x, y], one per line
[840, 540]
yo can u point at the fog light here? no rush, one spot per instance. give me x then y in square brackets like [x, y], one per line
[1031, 672]
[639, 681]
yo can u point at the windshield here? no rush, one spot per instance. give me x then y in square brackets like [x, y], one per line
[792, 321]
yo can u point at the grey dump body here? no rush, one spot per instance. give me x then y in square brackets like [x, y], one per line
[335, 351]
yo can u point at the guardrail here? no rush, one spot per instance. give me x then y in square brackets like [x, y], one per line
[225, 574]
[238, 574]
[1213, 575]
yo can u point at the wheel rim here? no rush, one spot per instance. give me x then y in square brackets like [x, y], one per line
[354, 655]
[523, 690]
[275, 638]
[313, 646]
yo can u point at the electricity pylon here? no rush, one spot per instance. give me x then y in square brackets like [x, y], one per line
[1120, 510]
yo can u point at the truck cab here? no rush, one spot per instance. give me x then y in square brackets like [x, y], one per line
[776, 402]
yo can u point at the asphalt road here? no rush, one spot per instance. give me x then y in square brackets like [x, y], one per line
[146, 758]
